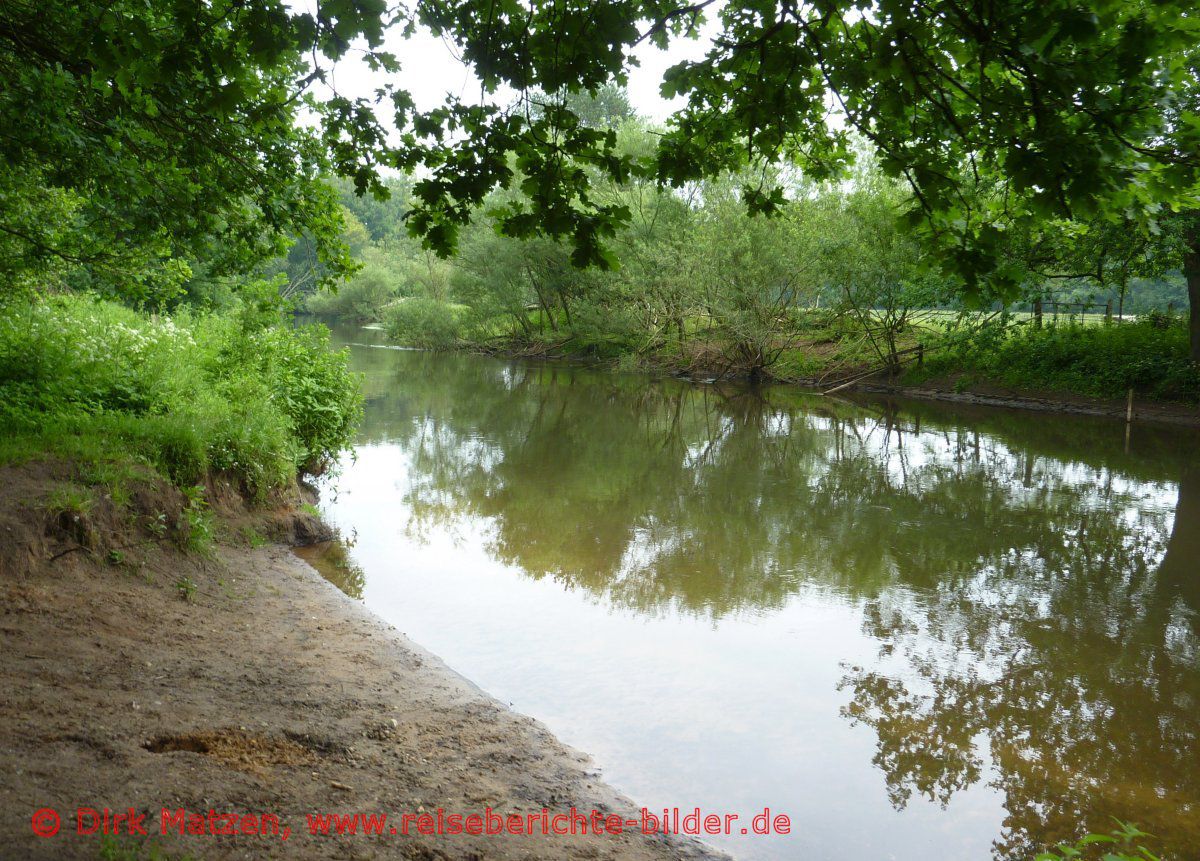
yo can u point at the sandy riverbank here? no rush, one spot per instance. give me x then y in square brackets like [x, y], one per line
[268, 692]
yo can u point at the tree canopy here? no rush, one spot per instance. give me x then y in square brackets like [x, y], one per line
[166, 126]
[1060, 109]
[140, 132]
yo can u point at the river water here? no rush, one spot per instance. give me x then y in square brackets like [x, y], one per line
[919, 632]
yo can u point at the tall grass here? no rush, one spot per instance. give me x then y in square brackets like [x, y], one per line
[188, 395]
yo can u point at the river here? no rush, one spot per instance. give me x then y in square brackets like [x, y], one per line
[918, 631]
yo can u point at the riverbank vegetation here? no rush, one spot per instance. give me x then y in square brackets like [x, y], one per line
[153, 167]
[831, 288]
[188, 394]
[130, 400]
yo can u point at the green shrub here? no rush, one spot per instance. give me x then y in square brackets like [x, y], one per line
[96, 382]
[422, 322]
[1121, 844]
[360, 298]
[1149, 355]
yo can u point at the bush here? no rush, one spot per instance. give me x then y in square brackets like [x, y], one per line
[360, 298]
[1149, 355]
[189, 395]
[423, 322]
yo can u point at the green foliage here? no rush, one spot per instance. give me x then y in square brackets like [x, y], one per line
[361, 297]
[186, 587]
[188, 395]
[1085, 108]
[423, 322]
[197, 526]
[122, 849]
[150, 145]
[1149, 355]
[1119, 845]
[140, 136]
[307, 273]
[312, 388]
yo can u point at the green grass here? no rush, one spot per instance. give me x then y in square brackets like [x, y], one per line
[253, 537]
[115, 391]
[71, 500]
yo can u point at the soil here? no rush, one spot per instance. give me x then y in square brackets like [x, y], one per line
[242, 682]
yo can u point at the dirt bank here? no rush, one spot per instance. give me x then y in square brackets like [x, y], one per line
[244, 683]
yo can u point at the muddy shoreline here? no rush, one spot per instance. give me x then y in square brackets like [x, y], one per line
[265, 692]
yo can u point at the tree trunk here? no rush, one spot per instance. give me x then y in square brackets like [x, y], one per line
[1193, 282]
[1191, 271]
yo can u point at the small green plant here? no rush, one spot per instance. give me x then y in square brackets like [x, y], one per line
[186, 587]
[197, 520]
[115, 557]
[158, 526]
[253, 537]
[71, 500]
[1120, 844]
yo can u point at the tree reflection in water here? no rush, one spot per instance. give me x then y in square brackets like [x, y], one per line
[1033, 587]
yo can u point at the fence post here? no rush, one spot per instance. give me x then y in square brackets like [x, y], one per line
[1128, 418]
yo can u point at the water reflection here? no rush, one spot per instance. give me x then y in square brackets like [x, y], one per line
[333, 561]
[1070, 660]
[1029, 587]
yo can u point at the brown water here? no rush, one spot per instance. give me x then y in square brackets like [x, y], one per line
[920, 632]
